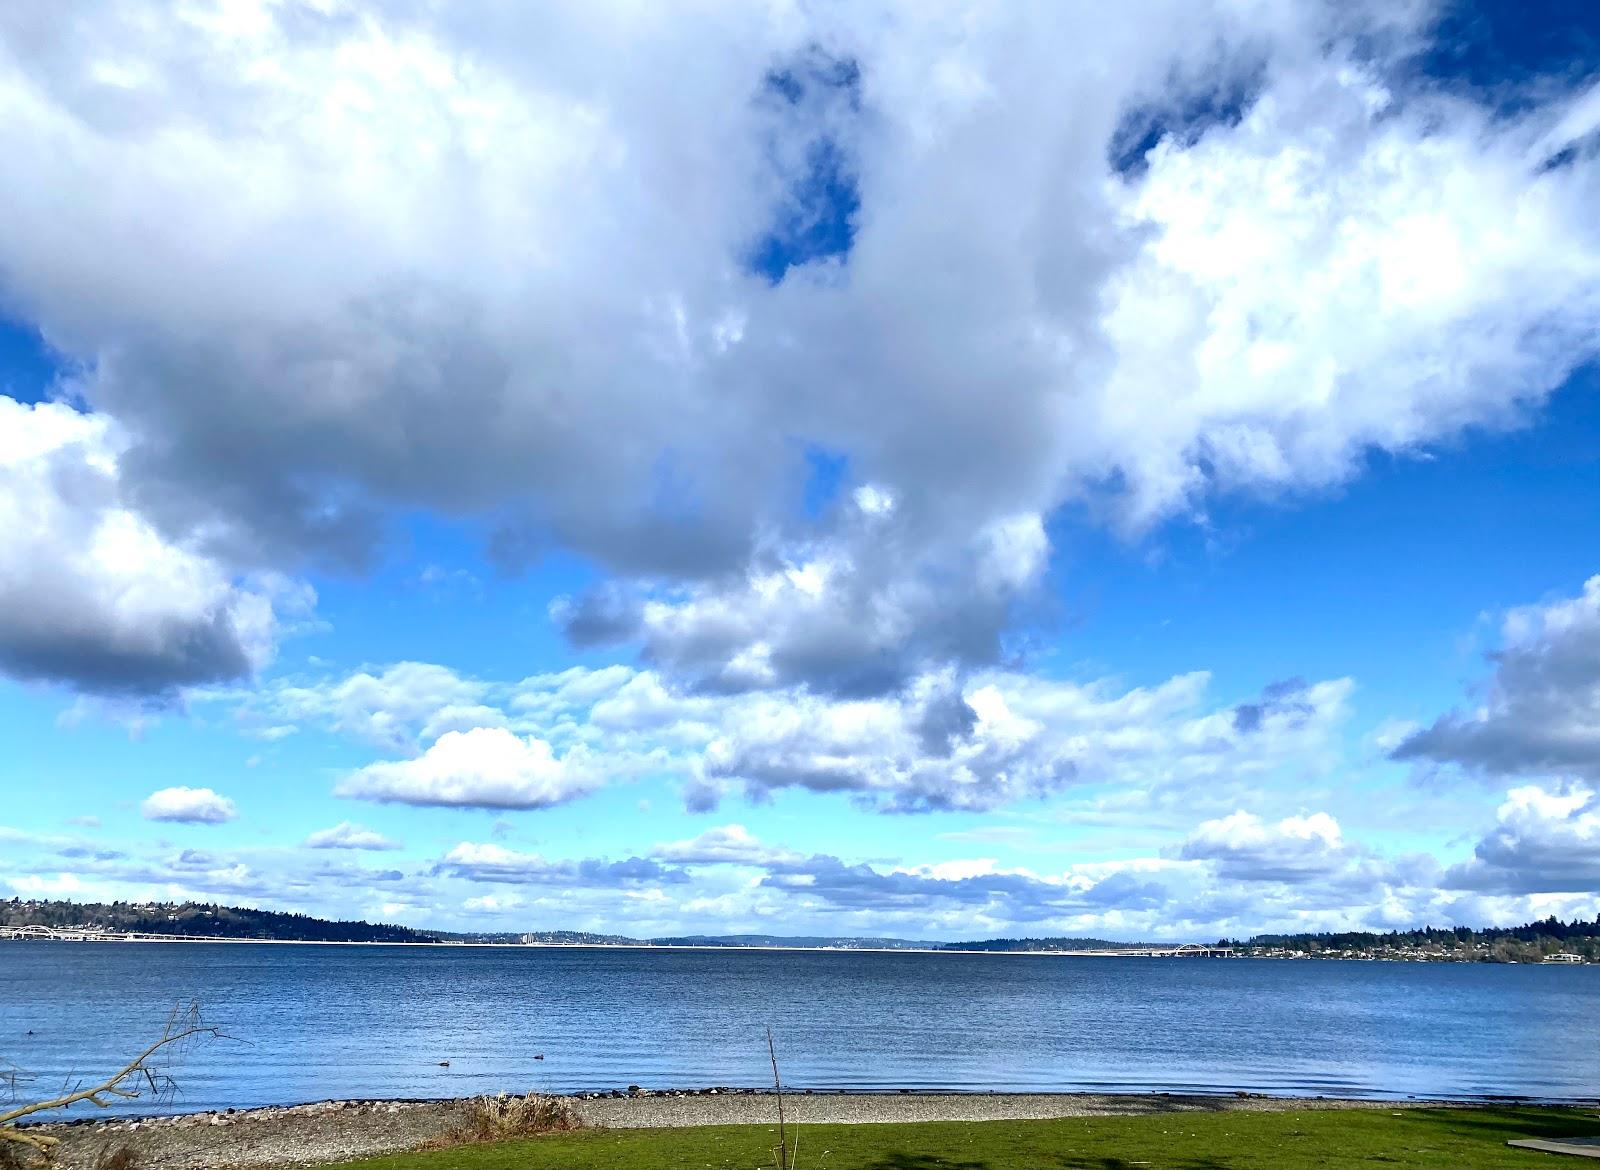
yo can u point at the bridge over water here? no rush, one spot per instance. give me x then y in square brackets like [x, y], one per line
[97, 934]
[1181, 951]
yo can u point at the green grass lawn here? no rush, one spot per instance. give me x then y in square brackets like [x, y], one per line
[1190, 1141]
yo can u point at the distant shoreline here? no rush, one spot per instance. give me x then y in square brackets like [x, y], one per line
[1131, 952]
[1547, 940]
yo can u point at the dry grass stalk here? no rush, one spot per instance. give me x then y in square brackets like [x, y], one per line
[502, 1118]
[118, 1158]
[783, 1158]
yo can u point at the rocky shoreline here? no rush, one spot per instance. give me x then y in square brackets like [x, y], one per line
[332, 1131]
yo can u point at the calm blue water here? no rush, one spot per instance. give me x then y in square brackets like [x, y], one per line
[318, 1022]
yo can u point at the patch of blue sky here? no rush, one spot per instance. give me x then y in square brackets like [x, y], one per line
[1406, 557]
[1505, 51]
[828, 477]
[28, 368]
[1510, 48]
[815, 221]
[438, 598]
[76, 758]
[1183, 117]
[815, 218]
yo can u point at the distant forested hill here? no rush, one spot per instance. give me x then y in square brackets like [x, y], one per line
[200, 919]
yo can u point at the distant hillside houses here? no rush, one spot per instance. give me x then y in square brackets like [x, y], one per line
[1531, 943]
[197, 919]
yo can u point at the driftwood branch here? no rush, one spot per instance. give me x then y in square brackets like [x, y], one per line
[126, 1083]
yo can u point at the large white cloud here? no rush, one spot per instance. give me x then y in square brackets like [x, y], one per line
[861, 612]
[403, 258]
[486, 767]
[417, 257]
[91, 593]
[1541, 709]
[1349, 267]
[1545, 840]
[1243, 846]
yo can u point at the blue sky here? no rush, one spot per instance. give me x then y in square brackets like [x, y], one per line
[939, 474]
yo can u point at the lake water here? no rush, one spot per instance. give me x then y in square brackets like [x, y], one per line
[314, 1022]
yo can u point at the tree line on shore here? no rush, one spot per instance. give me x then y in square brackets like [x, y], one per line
[1527, 943]
[1530, 942]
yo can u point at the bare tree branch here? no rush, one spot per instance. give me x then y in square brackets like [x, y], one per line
[184, 1024]
[11, 1078]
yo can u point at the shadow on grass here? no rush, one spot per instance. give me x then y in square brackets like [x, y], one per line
[1086, 1163]
[1506, 1124]
[1136, 1105]
[903, 1161]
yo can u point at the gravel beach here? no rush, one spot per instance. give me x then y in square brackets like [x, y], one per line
[308, 1135]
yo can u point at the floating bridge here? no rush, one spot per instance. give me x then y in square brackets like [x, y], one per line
[1181, 951]
[95, 934]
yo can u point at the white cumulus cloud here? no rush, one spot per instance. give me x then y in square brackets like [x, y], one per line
[346, 835]
[1545, 840]
[193, 806]
[92, 593]
[1246, 847]
[1541, 709]
[724, 845]
[486, 767]
[393, 708]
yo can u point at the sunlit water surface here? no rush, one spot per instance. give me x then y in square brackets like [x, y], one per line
[313, 1022]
